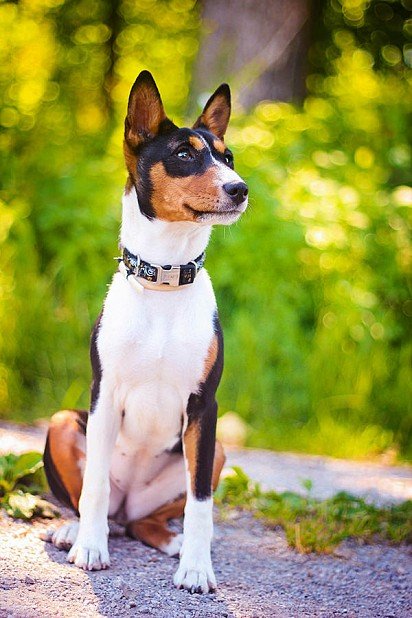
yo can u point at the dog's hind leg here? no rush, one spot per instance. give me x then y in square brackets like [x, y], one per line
[153, 529]
[65, 455]
[64, 458]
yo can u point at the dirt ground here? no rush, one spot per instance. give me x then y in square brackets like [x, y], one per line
[258, 575]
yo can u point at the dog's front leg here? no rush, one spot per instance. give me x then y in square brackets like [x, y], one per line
[195, 572]
[90, 551]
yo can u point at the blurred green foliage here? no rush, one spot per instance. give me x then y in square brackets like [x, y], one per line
[313, 284]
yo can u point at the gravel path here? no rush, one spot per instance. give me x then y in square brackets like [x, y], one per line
[258, 575]
[285, 471]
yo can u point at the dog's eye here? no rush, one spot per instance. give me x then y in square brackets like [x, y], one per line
[229, 158]
[183, 153]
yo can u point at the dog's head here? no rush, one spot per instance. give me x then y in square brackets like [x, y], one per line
[181, 174]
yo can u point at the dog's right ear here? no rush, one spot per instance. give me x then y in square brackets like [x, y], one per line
[216, 114]
[145, 113]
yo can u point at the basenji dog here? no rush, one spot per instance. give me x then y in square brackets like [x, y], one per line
[146, 451]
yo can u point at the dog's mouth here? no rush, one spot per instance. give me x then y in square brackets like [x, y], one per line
[208, 214]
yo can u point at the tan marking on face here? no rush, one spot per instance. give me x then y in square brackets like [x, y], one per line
[169, 196]
[210, 358]
[196, 142]
[191, 443]
[64, 442]
[219, 146]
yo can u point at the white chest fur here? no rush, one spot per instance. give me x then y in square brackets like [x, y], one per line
[153, 345]
[152, 348]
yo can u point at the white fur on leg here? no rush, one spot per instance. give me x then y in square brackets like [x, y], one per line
[90, 555]
[65, 536]
[90, 551]
[195, 572]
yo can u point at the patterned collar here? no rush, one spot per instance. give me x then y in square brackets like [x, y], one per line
[173, 276]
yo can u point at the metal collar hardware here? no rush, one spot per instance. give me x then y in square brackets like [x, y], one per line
[170, 276]
[161, 277]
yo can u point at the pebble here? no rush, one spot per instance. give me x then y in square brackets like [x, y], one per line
[29, 580]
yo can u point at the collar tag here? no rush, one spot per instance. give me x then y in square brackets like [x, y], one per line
[131, 279]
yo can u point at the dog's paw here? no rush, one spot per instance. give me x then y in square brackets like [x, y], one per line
[195, 576]
[172, 548]
[64, 537]
[89, 556]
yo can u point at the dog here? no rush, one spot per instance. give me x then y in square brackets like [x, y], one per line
[146, 451]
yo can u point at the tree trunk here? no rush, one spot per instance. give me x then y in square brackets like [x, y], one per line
[258, 46]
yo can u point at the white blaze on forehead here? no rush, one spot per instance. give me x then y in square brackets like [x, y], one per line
[225, 173]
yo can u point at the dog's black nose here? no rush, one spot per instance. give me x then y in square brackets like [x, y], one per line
[237, 191]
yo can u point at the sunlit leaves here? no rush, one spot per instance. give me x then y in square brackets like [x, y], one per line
[329, 172]
[21, 480]
[313, 284]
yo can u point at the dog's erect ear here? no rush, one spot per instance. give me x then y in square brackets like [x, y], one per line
[145, 111]
[216, 114]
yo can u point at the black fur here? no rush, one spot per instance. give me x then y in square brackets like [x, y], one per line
[81, 420]
[53, 478]
[210, 138]
[176, 448]
[202, 409]
[96, 366]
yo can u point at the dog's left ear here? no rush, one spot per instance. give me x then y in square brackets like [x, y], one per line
[216, 114]
[145, 113]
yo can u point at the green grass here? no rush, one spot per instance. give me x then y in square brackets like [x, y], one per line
[22, 480]
[313, 525]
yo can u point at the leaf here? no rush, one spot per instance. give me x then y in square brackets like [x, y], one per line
[46, 509]
[26, 468]
[27, 463]
[23, 505]
[7, 463]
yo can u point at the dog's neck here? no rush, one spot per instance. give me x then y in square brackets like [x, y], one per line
[157, 241]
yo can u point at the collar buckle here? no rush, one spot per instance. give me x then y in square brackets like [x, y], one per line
[169, 276]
